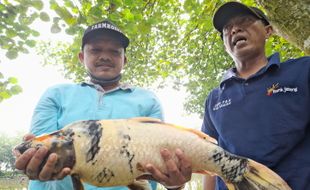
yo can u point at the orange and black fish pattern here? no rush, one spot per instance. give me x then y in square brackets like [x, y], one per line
[108, 153]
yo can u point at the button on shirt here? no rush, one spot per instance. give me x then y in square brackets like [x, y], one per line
[63, 104]
[266, 118]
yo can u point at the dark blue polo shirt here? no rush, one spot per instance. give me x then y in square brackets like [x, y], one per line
[266, 118]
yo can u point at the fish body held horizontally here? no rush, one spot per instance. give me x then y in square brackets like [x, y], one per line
[111, 153]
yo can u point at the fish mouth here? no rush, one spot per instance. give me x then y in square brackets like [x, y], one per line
[63, 147]
[23, 147]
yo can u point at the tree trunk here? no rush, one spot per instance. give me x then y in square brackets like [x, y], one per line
[291, 20]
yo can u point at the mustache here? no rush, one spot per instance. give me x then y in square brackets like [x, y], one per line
[104, 63]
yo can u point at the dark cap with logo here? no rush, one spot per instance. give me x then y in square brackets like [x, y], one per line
[232, 9]
[103, 28]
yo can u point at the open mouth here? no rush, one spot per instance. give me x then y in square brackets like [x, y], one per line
[239, 39]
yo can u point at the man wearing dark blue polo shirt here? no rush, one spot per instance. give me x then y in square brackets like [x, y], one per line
[261, 109]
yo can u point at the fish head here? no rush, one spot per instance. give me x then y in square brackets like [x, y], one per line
[59, 142]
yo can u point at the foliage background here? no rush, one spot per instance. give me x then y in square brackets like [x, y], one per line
[171, 41]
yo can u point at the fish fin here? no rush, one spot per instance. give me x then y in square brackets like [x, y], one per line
[230, 186]
[259, 177]
[201, 135]
[196, 132]
[76, 181]
[205, 172]
[43, 137]
[154, 120]
[139, 185]
[146, 119]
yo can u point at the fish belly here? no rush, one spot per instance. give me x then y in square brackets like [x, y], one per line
[124, 148]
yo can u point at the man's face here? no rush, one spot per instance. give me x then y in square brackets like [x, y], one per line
[244, 35]
[103, 57]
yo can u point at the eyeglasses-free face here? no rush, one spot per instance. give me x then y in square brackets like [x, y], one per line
[239, 21]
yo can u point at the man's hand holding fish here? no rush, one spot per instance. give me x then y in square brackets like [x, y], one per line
[38, 164]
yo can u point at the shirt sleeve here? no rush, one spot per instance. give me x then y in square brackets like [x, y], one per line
[156, 110]
[207, 125]
[44, 118]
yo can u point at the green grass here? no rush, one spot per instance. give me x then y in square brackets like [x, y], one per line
[17, 183]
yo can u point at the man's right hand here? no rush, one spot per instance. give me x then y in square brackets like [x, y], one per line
[30, 161]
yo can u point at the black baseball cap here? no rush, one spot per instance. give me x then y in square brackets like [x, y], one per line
[232, 9]
[102, 28]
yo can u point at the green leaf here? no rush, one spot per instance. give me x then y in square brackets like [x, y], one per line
[128, 15]
[1, 76]
[37, 4]
[24, 50]
[11, 54]
[95, 11]
[64, 14]
[44, 17]
[138, 16]
[55, 28]
[145, 28]
[16, 89]
[13, 80]
[5, 94]
[25, 20]
[33, 17]
[69, 3]
[71, 21]
[56, 19]
[31, 43]
[2, 7]
[128, 2]
[117, 3]
[75, 10]
[35, 33]
[188, 4]
[11, 33]
[71, 30]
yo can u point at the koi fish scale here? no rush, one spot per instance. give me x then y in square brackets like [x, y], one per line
[112, 152]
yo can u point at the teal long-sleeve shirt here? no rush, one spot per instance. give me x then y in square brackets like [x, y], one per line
[67, 103]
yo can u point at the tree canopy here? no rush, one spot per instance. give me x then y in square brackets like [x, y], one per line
[171, 41]
[291, 20]
[16, 36]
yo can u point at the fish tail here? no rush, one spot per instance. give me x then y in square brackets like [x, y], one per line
[259, 177]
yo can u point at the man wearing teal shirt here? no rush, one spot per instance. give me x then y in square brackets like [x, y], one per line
[64, 104]
[100, 97]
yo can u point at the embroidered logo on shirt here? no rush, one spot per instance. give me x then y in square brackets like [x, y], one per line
[275, 88]
[222, 104]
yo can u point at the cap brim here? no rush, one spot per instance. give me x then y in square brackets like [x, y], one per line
[124, 41]
[228, 11]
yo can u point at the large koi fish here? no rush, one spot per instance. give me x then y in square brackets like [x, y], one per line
[111, 153]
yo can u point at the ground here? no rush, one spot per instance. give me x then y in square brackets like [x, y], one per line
[16, 183]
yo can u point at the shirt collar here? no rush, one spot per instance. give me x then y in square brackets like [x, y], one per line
[273, 61]
[124, 86]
